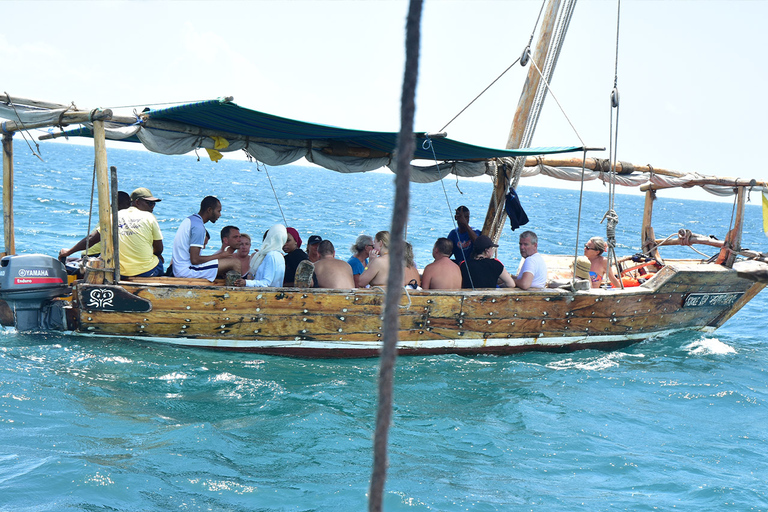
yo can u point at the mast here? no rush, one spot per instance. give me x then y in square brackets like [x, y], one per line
[525, 107]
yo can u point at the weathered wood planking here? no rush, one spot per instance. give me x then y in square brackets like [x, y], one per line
[348, 322]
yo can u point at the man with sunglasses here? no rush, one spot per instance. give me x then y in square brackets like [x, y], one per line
[141, 242]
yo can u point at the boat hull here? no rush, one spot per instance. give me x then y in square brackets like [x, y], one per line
[347, 323]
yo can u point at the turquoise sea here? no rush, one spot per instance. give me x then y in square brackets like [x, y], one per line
[89, 424]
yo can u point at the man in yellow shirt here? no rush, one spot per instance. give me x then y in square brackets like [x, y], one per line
[141, 242]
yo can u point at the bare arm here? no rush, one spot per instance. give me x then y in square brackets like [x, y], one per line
[506, 279]
[426, 277]
[157, 248]
[524, 280]
[612, 277]
[369, 274]
[92, 239]
[464, 226]
[196, 258]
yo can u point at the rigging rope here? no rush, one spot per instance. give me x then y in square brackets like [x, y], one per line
[266, 169]
[90, 212]
[578, 223]
[24, 129]
[611, 216]
[523, 59]
[550, 61]
[428, 144]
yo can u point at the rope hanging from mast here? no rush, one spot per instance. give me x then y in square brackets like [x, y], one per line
[561, 28]
[611, 217]
[556, 22]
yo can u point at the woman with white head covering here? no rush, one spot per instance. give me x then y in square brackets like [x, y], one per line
[268, 265]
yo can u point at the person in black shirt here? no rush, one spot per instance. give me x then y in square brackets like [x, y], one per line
[482, 270]
[293, 256]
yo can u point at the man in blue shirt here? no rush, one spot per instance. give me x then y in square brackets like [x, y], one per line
[462, 237]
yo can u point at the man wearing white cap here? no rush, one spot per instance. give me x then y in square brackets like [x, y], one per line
[141, 242]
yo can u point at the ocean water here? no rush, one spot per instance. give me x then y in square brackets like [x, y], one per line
[90, 424]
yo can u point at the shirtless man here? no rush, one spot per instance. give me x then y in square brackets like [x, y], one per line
[330, 272]
[230, 239]
[441, 274]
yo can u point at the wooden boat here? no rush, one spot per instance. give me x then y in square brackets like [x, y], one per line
[682, 294]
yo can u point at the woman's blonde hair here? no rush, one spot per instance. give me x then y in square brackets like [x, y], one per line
[408, 254]
[383, 238]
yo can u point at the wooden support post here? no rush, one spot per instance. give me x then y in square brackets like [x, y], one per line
[732, 243]
[105, 206]
[494, 217]
[648, 239]
[115, 236]
[10, 238]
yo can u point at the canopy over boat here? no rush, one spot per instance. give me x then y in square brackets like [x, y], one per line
[221, 125]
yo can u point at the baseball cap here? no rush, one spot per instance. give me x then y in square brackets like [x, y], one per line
[314, 239]
[143, 193]
[482, 242]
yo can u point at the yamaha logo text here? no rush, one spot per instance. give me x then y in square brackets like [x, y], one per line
[23, 272]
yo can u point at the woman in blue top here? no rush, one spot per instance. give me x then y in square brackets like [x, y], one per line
[361, 250]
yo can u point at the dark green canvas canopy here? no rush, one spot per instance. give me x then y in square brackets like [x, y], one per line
[228, 118]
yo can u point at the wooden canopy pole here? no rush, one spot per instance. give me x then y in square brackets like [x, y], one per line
[732, 243]
[496, 207]
[105, 206]
[65, 119]
[648, 236]
[10, 239]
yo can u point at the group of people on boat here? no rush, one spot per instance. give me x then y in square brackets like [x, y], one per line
[465, 258]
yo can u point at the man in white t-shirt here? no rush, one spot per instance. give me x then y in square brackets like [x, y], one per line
[190, 240]
[533, 269]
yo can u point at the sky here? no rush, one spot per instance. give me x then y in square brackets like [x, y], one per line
[690, 74]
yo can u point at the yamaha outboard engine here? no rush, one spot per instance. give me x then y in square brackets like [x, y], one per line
[28, 283]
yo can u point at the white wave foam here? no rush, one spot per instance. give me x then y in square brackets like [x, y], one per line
[709, 346]
[596, 363]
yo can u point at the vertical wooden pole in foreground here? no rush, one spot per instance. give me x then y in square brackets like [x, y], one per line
[10, 238]
[493, 219]
[406, 146]
[105, 206]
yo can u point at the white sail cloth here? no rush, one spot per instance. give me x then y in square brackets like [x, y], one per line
[29, 115]
[627, 180]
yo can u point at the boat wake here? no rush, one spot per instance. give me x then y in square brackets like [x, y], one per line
[596, 363]
[708, 346]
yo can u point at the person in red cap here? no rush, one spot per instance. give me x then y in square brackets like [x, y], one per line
[293, 256]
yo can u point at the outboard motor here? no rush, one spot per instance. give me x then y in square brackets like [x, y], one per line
[28, 283]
